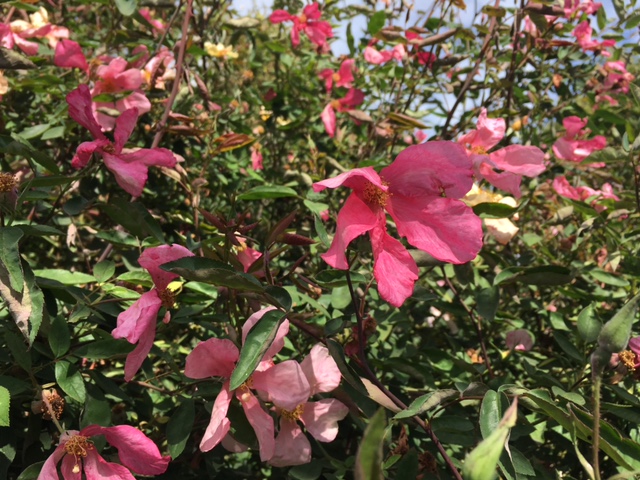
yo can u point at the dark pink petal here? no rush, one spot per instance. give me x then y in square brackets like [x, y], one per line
[67, 468]
[318, 32]
[219, 424]
[79, 101]
[321, 418]
[136, 358]
[279, 16]
[327, 76]
[354, 219]
[634, 346]
[346, 73]
[125, 124]
[134, 321]
[507, 181]
[295, 36]
[394, 268]
[50, 468]
[321, 370]
[574, 125]
[256, 161]
[68, 54]
[285, 384]
[527, 161]
[292, 446]
[135, 450]
[328, 117]
[564, 149]
[131, 169]
[214, 357]
[562, 187]
[432, 168]
[445, 228]
[153, 257]
[84, 152]
[96, 468]
[312, 11]
[260, 420]
[352, 99]
[356, 179]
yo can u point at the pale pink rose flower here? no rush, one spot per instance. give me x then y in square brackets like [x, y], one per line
[572, 146]
[563, 188]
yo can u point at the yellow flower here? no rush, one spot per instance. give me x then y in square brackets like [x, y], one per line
[220, 50]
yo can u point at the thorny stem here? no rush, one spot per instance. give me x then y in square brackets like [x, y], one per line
[176, 84]
[362, 357]
[597, 381]
[476, 321]
[472, 73]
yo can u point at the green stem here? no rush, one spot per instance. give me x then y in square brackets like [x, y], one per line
[597, 381]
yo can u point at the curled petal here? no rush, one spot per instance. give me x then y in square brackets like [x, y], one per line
[292, 446]
[321, 370]
[490, 131]
[354, 219]
[356, 179]
[507, 181]
[79, 101]
[50, 468]
[133, 322]
[321, 418]
[125, 124]
[214, 357]
[394, 268]
[219, 424]
[153, 257]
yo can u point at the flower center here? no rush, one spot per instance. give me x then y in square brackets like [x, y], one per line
[7, 182]
[336, 77]
[79, 447]
[374, 195]
[295, 414]
[110, 148]
[628, 358]
[168, 298]
[335, 104]
[303, 18]
[479, 150]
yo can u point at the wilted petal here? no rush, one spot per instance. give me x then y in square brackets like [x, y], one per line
[135, 450]
[153, 257]
[219, 424]
[84, 152]
[261, 422]
[562, 187]
[321, 370]
[232, 445]
[394, 268]
[445, 228]
[430, 168]
[285, 384]
[133, 322]
[321, 418]
[354, 219]
[292, 446]
[212, 358]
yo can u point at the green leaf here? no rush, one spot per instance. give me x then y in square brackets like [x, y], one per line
[426, 402]
[482, 462]
[369, 457]
[635, 90]
[180, 426]
[490, 413]
[256, 344]
[134, 217]
[549, 275]
[487, 301]
[103, 349]
[35, 131]
[5, 398]
[338, 278]
[10, 256]
[608, 278]
[127, 7]
[216, 273]
[337, 353]
[589, 325]
[59, 336]
[70, 380]
[278, 297]
[267, 191]
[376, 22]
[104, 270]
[494, 210]
[65, 276]
[55, 132]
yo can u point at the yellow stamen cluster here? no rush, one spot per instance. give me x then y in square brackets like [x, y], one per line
[336, 77]
[374, 195]
[303, 18]
[7, 182]
[79, 447]
[479, 150]
[168, 298]
[628, 359]
[295, 414]
[109, 148]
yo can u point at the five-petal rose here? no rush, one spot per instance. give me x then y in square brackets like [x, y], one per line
[130, 169]
[342, 78]
[420, 190]
[78, 454]
[138, 323]
[572, 146]
[308, 22]
[351, 100]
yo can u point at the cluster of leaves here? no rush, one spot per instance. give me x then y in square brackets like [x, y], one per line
[486, 367]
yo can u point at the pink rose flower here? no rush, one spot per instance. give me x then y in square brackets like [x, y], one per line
[505, 167]
[376, 57]
[420, 190]
[570, 147]
[78, 455]
[581, 194]
[130, 169]
[68, 54]
[351, 100]
[308, 22]
[572, 7]
[342, 78]
[138, 323]
[583, 32]
[217, 358]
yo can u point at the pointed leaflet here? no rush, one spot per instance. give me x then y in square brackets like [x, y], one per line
[369, 457]
[216, 273]
[255, 346]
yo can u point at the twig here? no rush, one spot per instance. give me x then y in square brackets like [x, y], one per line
[176, 84]
[512, 70]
